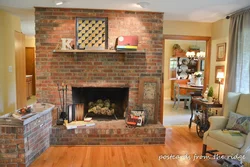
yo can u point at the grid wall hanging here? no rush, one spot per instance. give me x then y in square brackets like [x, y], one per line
[92, 33]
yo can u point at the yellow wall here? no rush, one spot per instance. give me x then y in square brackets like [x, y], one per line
[168, 52]
[220, 32]
[9, 24]
[30, 41]
[187, 28]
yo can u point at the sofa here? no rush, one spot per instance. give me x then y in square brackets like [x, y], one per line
[225, 142]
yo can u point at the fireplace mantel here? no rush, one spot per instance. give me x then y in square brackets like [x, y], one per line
[101, 84]
[95, 51]
[75, 51]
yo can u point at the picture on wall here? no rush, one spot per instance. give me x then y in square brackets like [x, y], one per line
[221, 52]
[92, 33]
[219, 69]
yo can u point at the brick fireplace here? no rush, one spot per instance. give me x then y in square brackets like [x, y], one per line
[96, 69]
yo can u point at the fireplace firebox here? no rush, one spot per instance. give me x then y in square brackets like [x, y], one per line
[102, 102]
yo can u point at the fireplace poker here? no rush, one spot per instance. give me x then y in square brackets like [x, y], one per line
[66, 98]
[63, 96]
[59, 95]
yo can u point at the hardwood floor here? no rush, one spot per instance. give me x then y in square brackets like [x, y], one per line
[179, 141]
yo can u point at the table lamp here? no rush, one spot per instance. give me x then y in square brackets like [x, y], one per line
[220, 76]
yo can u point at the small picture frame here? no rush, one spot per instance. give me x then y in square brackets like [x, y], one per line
[221, 52]
[219, 69]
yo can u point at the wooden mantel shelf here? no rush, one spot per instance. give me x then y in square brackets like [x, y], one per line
[95, 51]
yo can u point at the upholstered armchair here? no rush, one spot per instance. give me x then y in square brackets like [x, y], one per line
[225, 142]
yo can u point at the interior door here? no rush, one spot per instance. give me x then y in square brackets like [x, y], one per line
[20, 70]
[30, 66]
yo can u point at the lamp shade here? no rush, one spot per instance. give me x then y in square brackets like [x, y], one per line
[220, 75]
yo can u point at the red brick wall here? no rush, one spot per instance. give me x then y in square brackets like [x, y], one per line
[21, 145]
[37, 137]
[12, 149]
[92, 69]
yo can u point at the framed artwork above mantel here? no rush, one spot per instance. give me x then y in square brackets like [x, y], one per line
[92, 33]
[221, 52]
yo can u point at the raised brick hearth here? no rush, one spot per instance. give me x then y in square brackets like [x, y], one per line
[112, 132]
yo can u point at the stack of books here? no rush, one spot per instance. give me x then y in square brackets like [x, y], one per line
[76, 124]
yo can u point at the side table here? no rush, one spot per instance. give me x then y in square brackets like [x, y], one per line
[203, 125]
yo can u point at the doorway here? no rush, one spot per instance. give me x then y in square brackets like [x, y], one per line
[20, 70]
[30, 74]
[172, 116]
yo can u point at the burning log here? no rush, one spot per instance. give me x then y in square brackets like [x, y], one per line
[102, 107]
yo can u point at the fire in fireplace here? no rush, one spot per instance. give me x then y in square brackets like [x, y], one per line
[102, 102]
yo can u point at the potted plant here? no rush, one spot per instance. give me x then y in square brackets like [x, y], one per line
[210, 94]
[198, 76]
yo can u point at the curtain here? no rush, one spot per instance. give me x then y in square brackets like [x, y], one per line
[238, 65]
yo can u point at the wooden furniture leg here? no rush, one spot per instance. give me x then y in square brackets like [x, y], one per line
[204, 149]
[192, 113]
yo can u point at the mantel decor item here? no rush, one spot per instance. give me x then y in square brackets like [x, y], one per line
[92, 33]
[127, 43]
[221, 52]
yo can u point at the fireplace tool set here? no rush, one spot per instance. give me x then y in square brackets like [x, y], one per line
[62, 114]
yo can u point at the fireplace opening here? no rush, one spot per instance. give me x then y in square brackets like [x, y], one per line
[100, 102]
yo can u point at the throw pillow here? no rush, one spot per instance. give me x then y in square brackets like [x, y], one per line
[232, 119]
[242, 124]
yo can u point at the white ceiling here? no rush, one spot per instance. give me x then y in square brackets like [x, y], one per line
[182, 10]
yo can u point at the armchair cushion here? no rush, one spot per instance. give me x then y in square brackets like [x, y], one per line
[238, 122]
[234, 141]
[233, 117]
[242, 124]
